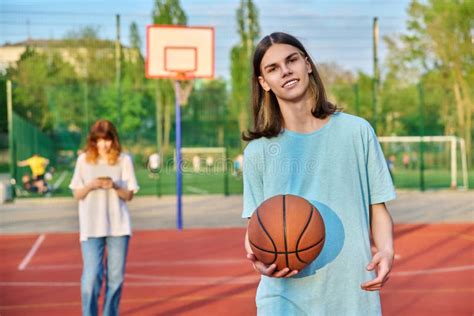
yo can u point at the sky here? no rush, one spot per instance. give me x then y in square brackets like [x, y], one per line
[333, 31]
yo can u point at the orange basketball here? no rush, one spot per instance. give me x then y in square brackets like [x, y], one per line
[286, 230]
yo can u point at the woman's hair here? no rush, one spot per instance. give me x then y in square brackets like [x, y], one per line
[267, 117]
[102, 129]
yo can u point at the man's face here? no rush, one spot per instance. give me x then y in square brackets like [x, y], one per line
[284, 70]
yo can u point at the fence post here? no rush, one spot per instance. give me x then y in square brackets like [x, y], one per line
[226, 162]
[375, 80]
[422, 134]
[11, 142]
[118, 69]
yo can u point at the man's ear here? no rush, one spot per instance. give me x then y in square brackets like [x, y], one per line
[308, 65]
[263, 83]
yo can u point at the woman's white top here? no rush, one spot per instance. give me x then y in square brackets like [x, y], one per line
[102, 213]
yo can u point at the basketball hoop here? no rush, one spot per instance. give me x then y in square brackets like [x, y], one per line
[180, 53]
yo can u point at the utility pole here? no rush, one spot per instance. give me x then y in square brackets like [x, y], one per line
[118, 67]
[28, 29]
[11, 140]
[375, 81]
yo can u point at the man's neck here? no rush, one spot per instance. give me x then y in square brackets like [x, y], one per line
[298, 117]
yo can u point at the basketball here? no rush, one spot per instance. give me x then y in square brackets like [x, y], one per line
[286, 230]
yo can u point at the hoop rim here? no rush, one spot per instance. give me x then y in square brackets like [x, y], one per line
[183, 76]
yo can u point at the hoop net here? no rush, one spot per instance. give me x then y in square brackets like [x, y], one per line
[186, 84]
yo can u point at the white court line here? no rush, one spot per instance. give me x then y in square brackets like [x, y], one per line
[156, 280]
[165, 282]
[191, 280]
[195, 190]
[31, 253]
[202, 262]
[60, 180]
[40, 283]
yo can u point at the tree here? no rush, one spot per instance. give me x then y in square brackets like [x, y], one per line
[438, 51]
[135, 93]
[166, 12]
[92, 57]
[338, 84]
[34, 79]
[134, 64]
[205, 114]
[241, 54]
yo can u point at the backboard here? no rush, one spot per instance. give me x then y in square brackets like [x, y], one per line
[179, 52]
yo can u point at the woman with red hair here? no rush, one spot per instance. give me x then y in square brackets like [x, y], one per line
[103, 180]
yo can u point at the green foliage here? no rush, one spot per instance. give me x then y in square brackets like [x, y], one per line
[135, 40]
[208, 101]
[206, 118]
[438, 52]
[241, 54]
[435, 53]
[34, 72]
[70, 83]
[92, 57]
[169, 12]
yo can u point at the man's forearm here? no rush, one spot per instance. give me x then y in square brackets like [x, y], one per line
[382, 227]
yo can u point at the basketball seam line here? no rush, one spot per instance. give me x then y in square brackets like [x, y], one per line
[268, 235]
[284, 231]
[301, 235]
[282, 252]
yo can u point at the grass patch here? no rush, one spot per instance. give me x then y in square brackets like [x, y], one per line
[205, 183]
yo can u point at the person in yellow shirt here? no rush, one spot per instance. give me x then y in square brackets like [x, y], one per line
[38, 166]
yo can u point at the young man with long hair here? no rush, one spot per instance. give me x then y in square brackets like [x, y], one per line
[304, 145]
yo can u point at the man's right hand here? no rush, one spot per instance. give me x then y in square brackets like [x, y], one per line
[270, 270]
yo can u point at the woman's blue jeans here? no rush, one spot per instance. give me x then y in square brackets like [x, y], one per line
[93, 252]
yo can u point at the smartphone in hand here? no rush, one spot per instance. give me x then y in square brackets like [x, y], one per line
[107, 182]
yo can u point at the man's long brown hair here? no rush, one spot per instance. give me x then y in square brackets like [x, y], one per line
[267, 117]
[102, 129]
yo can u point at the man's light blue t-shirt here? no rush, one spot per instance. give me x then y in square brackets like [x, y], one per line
[341, 169]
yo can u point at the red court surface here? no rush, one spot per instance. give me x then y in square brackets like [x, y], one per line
[203, 272]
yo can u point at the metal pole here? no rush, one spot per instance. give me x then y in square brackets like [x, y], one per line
[179, 218]
[462, 145]
[159, 134]
[11, 142]
[454, 164]
[226, 174]
[158, 186]
[375, 81]
[226, 157]
[422, 134]
[118, 67]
